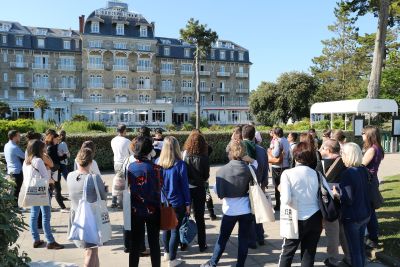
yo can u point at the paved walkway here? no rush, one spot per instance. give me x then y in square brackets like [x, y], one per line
[113, 255]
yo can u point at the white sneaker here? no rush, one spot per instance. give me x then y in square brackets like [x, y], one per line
[166, 256]
[175, 262]
[64, 210]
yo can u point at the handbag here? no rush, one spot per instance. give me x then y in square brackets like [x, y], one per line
[375, 195]
[84, 227]
[168, 219]
[289, 224]
[34, 191]
[102, 217]
[261, 203]
[330, 208]
[126, 202]
[275, 160]
[188, 230]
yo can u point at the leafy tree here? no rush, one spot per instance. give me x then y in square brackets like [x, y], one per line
[289, 97]
[79, 117]
[42, 104]
[11, 224]
[202, 38]
[4, 109]
[388, 12]
[391, 77]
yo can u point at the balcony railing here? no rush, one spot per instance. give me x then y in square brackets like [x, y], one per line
[18, 65]
[186, 89]
[41, 85]
[144, 87]
[242, 75]
[121, 67]
[205, 89]
[95, 66]
[223, 74]
[95, 85]
[67, 86]
[120, 85]
[205, 73]
[187, 72]
[168, 89]
[144, 69]
[223, 90]
[167, 72]
[39, 66]
[19, 84]
[242, 90]
[67, 67]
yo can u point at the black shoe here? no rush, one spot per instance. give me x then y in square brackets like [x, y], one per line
[253, 246]
[276, 208]
[328, 263]
[65, 199]
[184, 247]
[213, 217]
[202, 249]
[371, 244]
[261, 243]
[114, 205]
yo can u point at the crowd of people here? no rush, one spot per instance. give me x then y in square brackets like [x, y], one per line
[159, 172]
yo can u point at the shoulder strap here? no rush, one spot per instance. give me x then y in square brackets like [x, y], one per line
[253, 174]
[332, 166]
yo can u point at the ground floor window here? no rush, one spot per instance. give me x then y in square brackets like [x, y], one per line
[235, 117]
[23, 113]
[159, 115]
[179, 118]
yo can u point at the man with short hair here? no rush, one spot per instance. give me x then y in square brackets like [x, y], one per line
[280, 145]
[248, 134]
[14, 157]
[120, 147]
[332, 167]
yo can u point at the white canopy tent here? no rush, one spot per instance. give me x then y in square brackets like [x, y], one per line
[356, 106]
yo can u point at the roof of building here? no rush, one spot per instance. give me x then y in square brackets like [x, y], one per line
[355, 106]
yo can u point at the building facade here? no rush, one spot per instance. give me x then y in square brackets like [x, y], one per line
[114, 69]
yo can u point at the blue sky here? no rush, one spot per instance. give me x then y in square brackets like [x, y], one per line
[281, 35]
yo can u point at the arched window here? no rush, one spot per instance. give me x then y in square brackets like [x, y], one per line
[184, 100]
[141, 98]
[189, 100]
[141, 83]
[147, 98]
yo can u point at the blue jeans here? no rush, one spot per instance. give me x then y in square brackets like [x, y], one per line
[355, 239]
[256, 233]
[63, 171]
[171, 238]
[46, 214]
[227, 225]
[373, 227]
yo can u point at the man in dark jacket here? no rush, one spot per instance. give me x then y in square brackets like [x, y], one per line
[332, 167]
[248, 134]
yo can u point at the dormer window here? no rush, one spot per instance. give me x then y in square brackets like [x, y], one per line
[120, 30]
[95, 27]
[41, 32]
[5, 27]
[143, 31]
[67, 44]
[232, 55]
[212, 53]
[4, 39]
[19, 40]
[187, 52]
[167, 51]
[222, 55]
[241, 56]
[40, 43]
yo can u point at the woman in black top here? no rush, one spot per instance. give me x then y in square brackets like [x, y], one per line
[196, 157]
[51, 141]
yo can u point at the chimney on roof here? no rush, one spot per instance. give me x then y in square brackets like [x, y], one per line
[81, 23]
[153, 25]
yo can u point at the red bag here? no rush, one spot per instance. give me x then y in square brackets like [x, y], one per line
[168, 220]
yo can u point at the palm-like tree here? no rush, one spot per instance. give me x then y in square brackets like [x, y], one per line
[42, 104]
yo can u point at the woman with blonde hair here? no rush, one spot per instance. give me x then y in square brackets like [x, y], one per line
[373, 155]
[355, 202]
[176, 189]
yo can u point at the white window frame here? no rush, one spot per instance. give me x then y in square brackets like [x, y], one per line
[187, 52]
[5, 77]
[143, 31]
[6, 94]
[222, 99]
[95, 27]
[120, 29]
[167, 51]
[20, 95]
[222, 54]
[41, 43]
[212, 54]
[5, 56]
[19, 40]
[4, 39]
[232, 55]
[120, 45]
[67, 44]
[241, 56]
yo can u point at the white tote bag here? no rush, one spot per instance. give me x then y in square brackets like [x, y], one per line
[84, 226]
[261, 204]
[126, 205]
[34, 191]
[102, 216]
[289, 227]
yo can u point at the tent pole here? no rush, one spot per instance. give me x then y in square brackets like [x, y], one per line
[345, 121]
[331, 121]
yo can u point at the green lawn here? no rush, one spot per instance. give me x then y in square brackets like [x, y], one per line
[389, 216]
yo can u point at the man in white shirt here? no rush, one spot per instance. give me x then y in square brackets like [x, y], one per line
[120, 147]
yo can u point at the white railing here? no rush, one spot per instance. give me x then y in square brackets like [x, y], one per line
[39, 66]
[95, 85]
[19, 65]
[242, 90]
[95, 66]
[66, 86]
[223, 90]
[167, 72]
[19, 84]
[121, 67]
[144, 87]
[187, 89]
[168, 89]
[187, 72]
[205, 73]
[41, 85]
[205, 89]
[67, 67]
[120, 85]
[144, 69]
[242, 75]
[223, 74]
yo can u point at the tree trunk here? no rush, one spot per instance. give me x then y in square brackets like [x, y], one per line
[379, 50]
[197, 87]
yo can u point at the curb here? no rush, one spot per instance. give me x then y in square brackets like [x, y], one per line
[388, 260]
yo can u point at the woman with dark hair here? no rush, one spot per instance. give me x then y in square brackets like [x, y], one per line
[309, 140]
[373, 155]
[34, 163]
[76, 182]
[198, 166]
[299, 188]
[339, 136]
[144, 180]
[63, 152]
[51, 141]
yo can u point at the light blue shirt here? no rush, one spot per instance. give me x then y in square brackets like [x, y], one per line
[14, 157]
[279, 145]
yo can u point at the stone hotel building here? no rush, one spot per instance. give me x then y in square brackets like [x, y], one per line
[114, 69]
